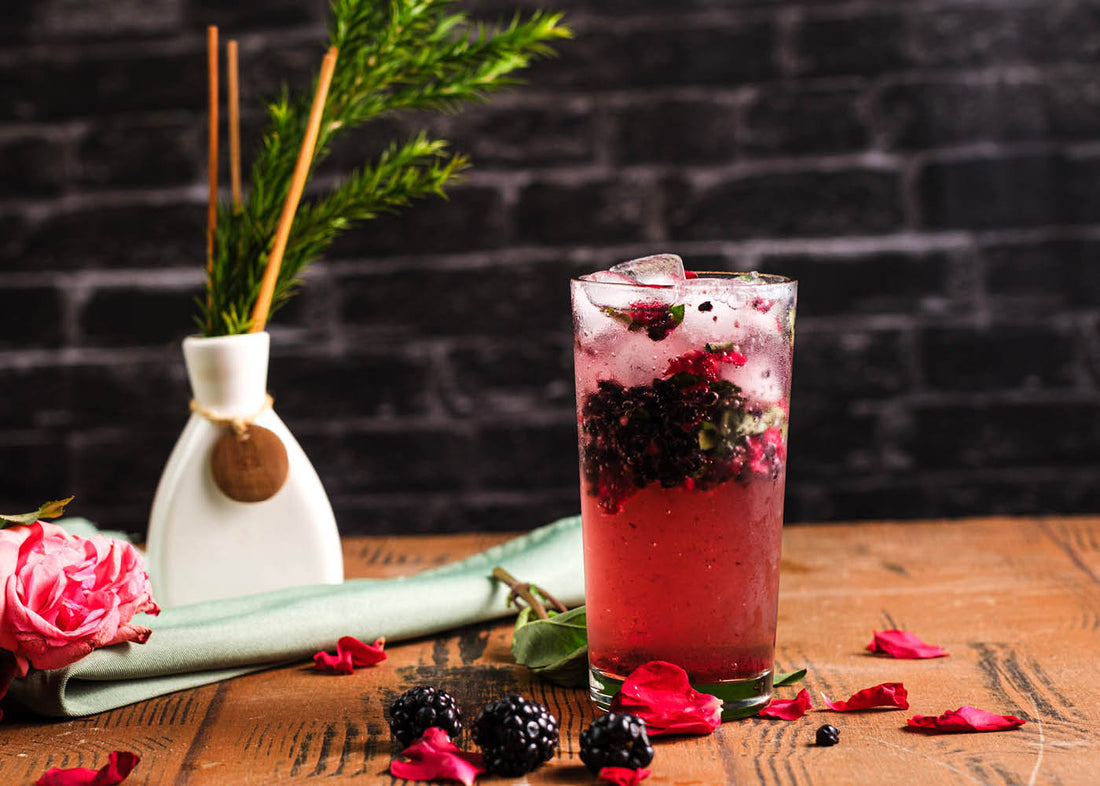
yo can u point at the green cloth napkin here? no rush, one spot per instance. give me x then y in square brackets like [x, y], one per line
[207, 642]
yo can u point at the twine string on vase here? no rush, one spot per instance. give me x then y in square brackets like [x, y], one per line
[240, 423]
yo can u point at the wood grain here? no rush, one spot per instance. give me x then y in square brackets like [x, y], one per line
[1015, 601]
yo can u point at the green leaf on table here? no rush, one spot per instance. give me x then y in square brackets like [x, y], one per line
[49, 510]
[787, 677]
[555, 648]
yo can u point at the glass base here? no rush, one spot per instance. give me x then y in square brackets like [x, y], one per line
[740, 698]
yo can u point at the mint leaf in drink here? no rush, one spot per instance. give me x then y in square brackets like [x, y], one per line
[787, 677]
[656, 319]
[555, 648]
[49, 510]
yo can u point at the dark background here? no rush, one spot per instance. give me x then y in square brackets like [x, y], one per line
[928, 169]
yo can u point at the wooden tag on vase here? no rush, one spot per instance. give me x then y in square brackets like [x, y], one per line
[250, 467]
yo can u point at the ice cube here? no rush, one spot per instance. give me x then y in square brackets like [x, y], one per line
[655, 269]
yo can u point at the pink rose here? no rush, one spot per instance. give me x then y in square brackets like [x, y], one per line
[64, 595]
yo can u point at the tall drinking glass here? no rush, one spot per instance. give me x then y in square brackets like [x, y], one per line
[683, 382]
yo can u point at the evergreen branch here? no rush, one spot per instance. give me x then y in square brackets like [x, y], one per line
[395, 55]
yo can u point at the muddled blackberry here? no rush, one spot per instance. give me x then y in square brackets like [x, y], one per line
[656, 319]
[828, 735]
[616, 740]
[688, 428]
[420, 708]
[515, 735]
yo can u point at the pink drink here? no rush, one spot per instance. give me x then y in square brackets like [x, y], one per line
[682, 395]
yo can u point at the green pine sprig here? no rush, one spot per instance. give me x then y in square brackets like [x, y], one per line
[395, 55]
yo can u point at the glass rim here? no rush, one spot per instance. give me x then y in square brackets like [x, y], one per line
[749, 278]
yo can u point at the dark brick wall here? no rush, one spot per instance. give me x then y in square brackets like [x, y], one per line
[928, 169]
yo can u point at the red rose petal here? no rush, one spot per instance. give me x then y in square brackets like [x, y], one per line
[788, 709]
[903, 644]
[659, 693]
[967, 718]
[434, 756]
[888, 694]
[350, 652]
[623, 776]
[118, 767]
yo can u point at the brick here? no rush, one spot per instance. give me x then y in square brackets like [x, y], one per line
[121, 471]
[828, 440]
[1044, 278]
[505, 302]
[892, 282]
[133, 236]
[31, 474]
[1012, 357]
[987, 193]
[16, 23]
[871, 44]
[139, 316]
[532, 374]
[722, 55]
[69, 19]
[1073, 107]
[938, 114]
[1078, 190]
[353, 384]
[126, 153]
[612, 210]
[1063, 434]
[33, 166]
[156, 393]
[255, 16]
[888, 499]
[803, 120]
[850, 364]
[833, 203]
[35, 398]
[1038, 494]
[472, 218]
[409, 460]
[58, 88]
[528, 458]
[1005, 35]
[675, 132]
[524, 136]
[31, 317]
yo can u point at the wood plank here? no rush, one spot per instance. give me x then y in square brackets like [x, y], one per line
[1015, 602]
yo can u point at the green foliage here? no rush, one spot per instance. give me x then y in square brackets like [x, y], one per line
[395, 55]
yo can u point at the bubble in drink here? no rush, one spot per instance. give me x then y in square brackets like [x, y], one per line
[655, 269]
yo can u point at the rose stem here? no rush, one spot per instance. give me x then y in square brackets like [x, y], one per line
[234, 122]
[527, 592]
[297, 184]
[212, 152]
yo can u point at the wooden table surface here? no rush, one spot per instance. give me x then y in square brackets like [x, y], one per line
[1015, 601]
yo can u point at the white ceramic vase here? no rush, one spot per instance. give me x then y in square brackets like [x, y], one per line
[202, 545]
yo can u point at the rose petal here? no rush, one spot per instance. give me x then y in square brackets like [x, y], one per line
[967, 718]
[118, 767]
[623, 776]
[788, 709]
[433, 756]
[888, 694]
[350, 652]
[659, 693]
[903, 644]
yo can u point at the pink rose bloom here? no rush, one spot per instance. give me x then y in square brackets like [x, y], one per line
[64, 595]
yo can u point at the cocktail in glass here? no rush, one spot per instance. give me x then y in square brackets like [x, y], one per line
[683, 383]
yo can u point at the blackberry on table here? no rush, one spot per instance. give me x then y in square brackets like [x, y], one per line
[515, 735]
[420, 708]
[616, 740]
[828, 735]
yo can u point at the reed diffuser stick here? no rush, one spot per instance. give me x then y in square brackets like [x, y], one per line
[234, 123]
[294, 194]
[212, 144]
